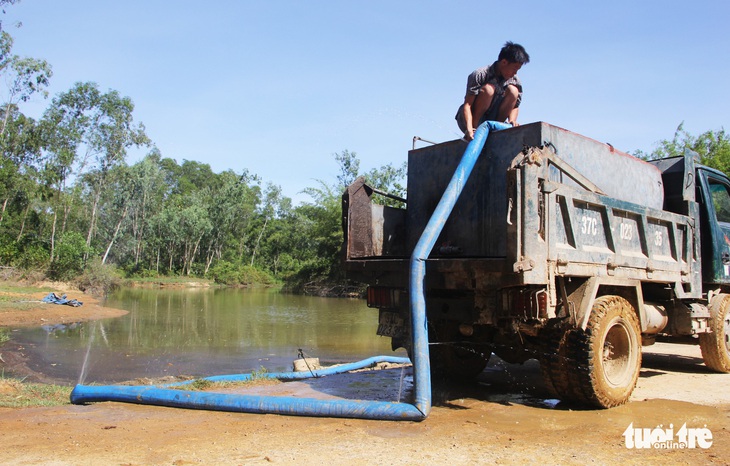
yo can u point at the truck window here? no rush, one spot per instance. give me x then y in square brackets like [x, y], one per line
[721, 201]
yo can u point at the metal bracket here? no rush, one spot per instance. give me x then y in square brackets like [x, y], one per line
[523, 265]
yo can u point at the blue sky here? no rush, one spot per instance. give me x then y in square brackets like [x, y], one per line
[278, 87]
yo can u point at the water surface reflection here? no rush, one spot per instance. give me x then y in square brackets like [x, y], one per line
[203, 332]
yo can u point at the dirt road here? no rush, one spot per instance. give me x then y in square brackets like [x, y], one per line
[503, 418]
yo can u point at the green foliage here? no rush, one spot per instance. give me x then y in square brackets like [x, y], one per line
[17, 394]
[260, 373]
[69, 260]
[226, 273]
[387, 178]
[33, 255]
[713, 148]
[98, 278]
[199, 385]
[8, 251]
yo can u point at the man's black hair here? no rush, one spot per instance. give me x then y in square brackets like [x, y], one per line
[514, 53]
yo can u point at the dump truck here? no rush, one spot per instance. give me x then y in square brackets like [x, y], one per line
[558, 248]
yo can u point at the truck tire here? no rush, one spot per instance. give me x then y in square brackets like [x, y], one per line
[715, 346]
[606, 355]
[553, 361]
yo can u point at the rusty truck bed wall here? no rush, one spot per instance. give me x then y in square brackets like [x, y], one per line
[371, 230]
[477, 226]
[555, 229]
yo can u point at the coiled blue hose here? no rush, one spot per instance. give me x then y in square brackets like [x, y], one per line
[168, 395]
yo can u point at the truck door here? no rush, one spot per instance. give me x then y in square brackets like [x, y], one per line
[715, 227]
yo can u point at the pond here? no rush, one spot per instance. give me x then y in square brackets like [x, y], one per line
[203, 332]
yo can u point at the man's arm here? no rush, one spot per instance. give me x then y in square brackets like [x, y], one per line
[468, 103]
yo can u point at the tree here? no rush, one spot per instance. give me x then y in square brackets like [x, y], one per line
[147, 192]
[272, 197]
[713, 147]
[387, 178]
[85, 126]
[19, 149]
[232, 205]
[24, 76]
[349, 167]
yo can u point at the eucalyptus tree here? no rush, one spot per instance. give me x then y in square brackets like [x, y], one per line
[20, 150]
[286, 240]
[147, 193]
[109, 137]
[232, 205]
[86, 127]
[193, 224]
[113, 210]
[321, 221]
[64, 128]
[272, 199]
[24, 77]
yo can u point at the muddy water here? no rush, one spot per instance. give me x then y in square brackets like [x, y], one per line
[203, 332]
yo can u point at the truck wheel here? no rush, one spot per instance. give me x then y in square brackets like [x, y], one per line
[607, 354]
[715, 346]
[554, 361]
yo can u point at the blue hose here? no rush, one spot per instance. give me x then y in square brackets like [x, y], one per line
[169, 395]
[417, 295]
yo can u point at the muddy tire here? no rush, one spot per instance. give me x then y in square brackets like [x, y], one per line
[554, 361]
[607, 354]
[715, 346]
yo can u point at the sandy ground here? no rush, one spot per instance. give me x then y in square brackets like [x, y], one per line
[504, 417]
[32, 312]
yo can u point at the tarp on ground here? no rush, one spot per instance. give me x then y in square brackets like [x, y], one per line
[53, 298]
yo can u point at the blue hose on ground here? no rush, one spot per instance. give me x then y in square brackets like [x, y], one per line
[170, 395]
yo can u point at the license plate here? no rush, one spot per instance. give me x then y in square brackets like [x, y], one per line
[390, 325]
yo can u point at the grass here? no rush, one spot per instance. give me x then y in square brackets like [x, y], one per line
[258, 377]
[23, 290]
[14, 305]
[18, 298]
[15, 393]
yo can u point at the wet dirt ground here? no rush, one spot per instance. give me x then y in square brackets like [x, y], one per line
[504, 417]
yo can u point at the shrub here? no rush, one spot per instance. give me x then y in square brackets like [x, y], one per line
[8, 252]
[33, 257]
[99, 278]
[226, 273]
[69, 260]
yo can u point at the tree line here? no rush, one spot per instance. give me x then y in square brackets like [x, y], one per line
[71, 205]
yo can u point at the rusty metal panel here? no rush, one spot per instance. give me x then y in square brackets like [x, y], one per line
[371, 230]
